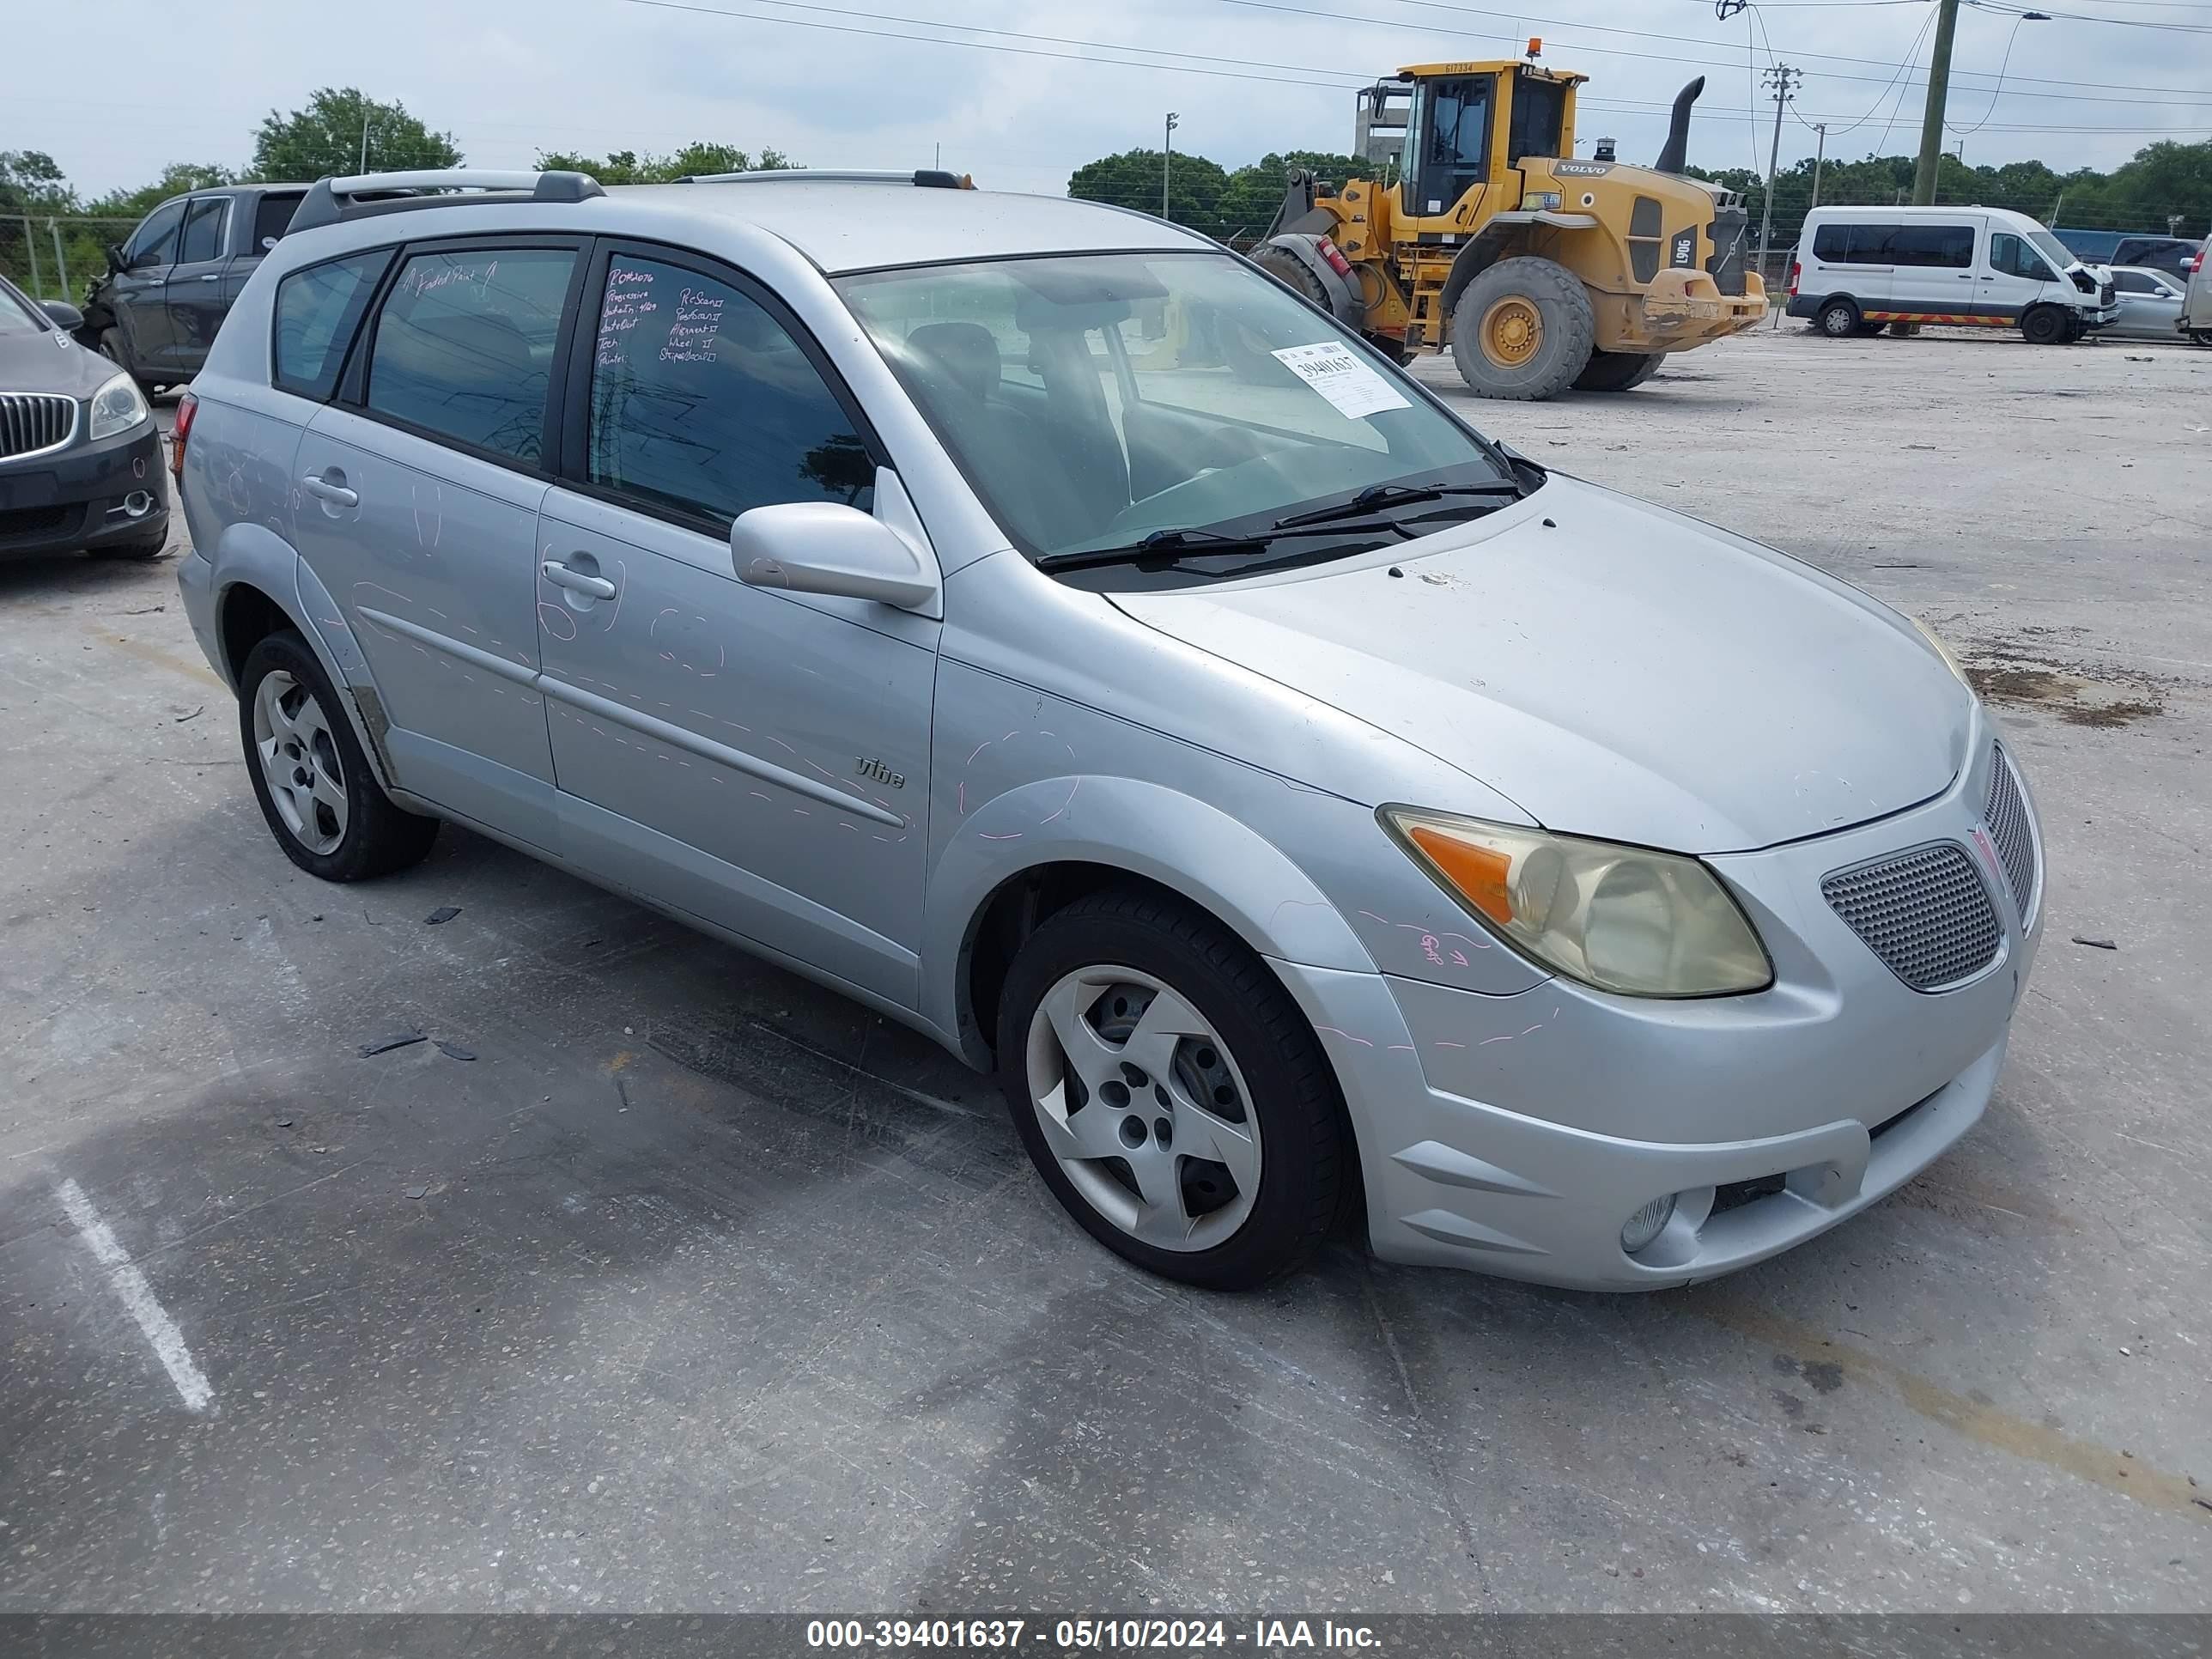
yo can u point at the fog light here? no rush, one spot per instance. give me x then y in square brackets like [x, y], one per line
[138, 503]
[1647, 1224]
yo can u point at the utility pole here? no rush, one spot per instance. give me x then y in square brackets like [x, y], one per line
[1785, 80]
[1931, 120]
[1820, 155]
[1167, 160]
[364, 141]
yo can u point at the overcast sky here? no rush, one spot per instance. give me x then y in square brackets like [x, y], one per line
[819, 81]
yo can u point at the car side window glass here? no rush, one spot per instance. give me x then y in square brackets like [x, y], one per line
[2012, 255]
[2129, 282]
[203, 238]
[155, 242]
[464, 346]
[702, 402]
[272, 217]
[318, 309]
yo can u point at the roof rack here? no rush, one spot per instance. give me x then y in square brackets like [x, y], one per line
[921, 178]
[329, 200]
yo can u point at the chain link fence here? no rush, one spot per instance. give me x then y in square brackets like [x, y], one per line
[57, 256]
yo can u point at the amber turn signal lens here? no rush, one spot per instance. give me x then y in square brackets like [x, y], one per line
[1478, 872]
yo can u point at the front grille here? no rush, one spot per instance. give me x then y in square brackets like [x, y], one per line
[39, 523]
[1924, 912]
[2006, 814]
[33, 420]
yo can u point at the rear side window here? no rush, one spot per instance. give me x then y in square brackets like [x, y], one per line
[318, 309]
[272, 217]
[464, 346]
[1846, 245]
[701, 401]
[202, 241]
[1949, 246]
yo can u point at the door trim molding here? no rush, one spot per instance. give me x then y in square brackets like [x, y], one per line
[517, 673]
[678, 736]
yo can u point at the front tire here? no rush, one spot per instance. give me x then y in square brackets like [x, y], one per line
[324, 805]
[1126, 1014]
[1618, 371]
[2044, 325]
[1522, 330]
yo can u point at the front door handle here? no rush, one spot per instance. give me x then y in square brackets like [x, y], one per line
[323, 489]
[596, 588]
[211, 276]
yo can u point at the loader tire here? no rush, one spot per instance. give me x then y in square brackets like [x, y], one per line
[1618, 371]
[1522, 330]
[1288, 269]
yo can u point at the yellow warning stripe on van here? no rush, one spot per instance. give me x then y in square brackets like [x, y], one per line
[1938, 317]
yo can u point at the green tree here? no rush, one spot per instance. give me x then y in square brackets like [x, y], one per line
[625, 166]
[32, 181]
[1254, 192]
[177, 179]
[327, 138]
[1197, 188]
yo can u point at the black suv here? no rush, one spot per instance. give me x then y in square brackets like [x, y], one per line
[2172, 254]
[169, 287]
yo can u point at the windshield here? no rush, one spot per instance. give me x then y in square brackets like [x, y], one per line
[15, 315]
[2051, 248]
[1095, 400]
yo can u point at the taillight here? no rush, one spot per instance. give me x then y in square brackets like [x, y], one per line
[187, 406]
[1796, 270]
[1334, 255]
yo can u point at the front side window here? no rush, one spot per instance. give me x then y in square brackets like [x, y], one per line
[318, 310]
[1094, 400]
[2133, 282]
[703, 402]
[464, 346]
[2012, 256]
[154, 241]
[203, 238]
[1459, 128]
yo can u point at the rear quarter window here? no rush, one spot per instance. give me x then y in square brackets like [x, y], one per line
[272, 217]
[318, 310]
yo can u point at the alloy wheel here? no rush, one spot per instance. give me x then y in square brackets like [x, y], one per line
[299, 760]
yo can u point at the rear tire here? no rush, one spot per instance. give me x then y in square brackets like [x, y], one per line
[1839, 318]
[333, 818]
[1222, 1035]
[1618, 371]
[2201, 335]
[1522, 330]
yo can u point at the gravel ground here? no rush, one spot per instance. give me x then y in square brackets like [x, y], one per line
[699, 1288]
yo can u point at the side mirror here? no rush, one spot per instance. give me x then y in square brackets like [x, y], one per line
[115, 265]
[825, 547]
[66, 316]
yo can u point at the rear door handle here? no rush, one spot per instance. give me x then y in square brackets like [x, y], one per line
[576, 581]
[211, 276]
[323, 489]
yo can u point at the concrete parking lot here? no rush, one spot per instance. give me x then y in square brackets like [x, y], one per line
[667, 1281]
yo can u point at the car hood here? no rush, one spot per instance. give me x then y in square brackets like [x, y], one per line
[1613, 669]
[51, 361]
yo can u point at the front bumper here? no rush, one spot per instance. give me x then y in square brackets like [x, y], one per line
[84, 496]
[1515, 1134]
[1685, 308]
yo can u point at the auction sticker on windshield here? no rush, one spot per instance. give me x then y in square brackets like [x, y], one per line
[1331, 369]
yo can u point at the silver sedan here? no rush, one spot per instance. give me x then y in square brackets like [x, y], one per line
[2149, 301]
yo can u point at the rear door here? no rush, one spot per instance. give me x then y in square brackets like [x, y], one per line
[1932, 265]
[754, 757]
[194, 291]
[419, 491]
[2149, 305]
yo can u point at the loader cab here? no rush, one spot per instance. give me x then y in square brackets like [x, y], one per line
[1459, 115]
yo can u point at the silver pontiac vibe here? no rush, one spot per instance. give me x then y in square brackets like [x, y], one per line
[1039, 625]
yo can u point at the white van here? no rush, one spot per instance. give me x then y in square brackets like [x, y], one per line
[1859, 268]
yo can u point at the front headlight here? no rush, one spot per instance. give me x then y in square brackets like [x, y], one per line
[1950, 656]
[1619, 918]
[116, 407]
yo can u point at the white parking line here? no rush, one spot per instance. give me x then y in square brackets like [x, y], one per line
[137, 1297]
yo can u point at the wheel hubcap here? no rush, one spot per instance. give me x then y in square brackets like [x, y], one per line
[1144, 1108]
[1512, 332]
[299, 760]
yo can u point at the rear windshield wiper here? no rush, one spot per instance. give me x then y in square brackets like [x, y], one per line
[1168, 545]
[1377, 497]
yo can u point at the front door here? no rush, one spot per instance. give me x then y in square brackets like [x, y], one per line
[138, 294]
[417, 507]
[194, 291]
[2014, 275]
[755, 758]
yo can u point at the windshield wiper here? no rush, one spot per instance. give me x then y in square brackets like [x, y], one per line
[1169, 545]
[1376, 496]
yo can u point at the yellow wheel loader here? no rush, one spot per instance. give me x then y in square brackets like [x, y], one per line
[1483, 234]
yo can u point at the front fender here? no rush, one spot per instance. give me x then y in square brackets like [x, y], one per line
[1174, 840]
